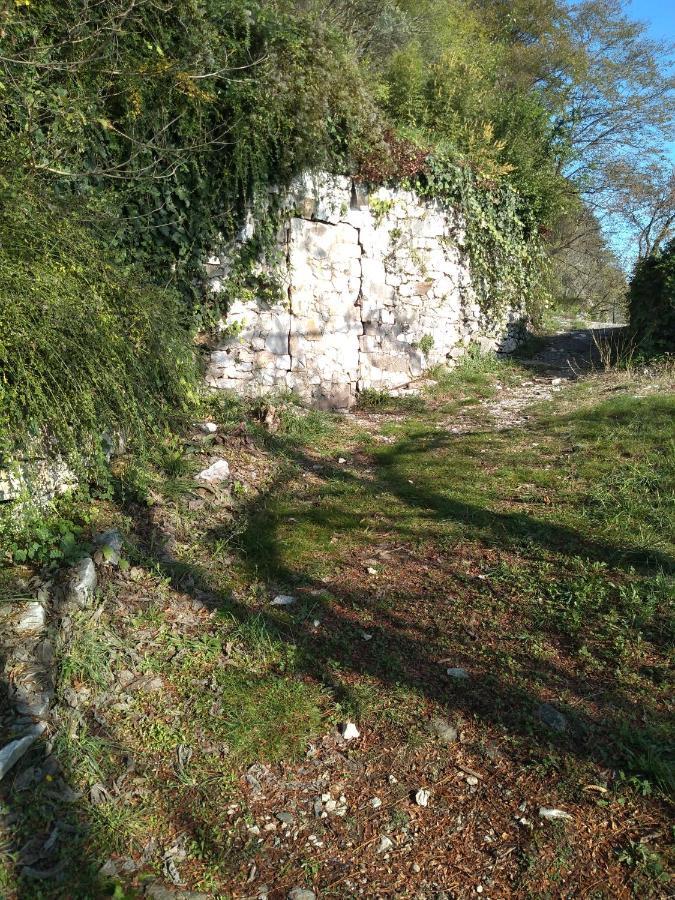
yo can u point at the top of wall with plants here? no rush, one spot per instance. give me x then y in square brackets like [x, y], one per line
[146, 129]
[171, 117]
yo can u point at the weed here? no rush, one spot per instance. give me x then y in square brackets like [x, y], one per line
[617, 349]
[639, 856]
[86, 657]
[382, 401]
[426, 344]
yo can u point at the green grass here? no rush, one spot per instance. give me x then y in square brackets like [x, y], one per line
[86, 658]
[582, 505]
[539, 559]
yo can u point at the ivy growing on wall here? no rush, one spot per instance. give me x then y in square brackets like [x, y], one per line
[501, 235]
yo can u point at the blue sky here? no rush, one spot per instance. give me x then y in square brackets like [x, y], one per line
[659, 15]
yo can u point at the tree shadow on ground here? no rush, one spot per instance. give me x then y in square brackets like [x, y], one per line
[44, 823]
[408, 641]
[414, 618]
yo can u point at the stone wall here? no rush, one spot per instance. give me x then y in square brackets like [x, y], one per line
[375, 289]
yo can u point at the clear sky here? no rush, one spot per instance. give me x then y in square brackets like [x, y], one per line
[659, 15]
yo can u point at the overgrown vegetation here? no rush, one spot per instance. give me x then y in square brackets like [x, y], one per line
[148, 131]
[538, 560]
[89, 347]
[652, 301]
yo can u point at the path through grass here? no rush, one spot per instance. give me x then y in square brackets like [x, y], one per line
[525, 548]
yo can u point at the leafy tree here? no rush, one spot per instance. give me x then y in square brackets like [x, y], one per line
[619, 101]
[643, 200]
[586, 276]
[652, 300]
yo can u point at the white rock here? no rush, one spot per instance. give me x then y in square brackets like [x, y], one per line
[392, 779]
[208, 427]
[110, 544]
[350, 731]
[218, 471]
[376, 803]
[372, 571]
[32, 618]
[12, 753]
[472, 780]
[547, 812]
[422, 797]
[82, 582]
[366, 636]
[385, 844]
[282, 600]
[341, 460]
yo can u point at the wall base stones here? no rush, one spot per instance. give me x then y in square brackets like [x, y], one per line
[375, 289]
[35, 481]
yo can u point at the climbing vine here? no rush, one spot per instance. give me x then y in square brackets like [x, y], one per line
[501, 236]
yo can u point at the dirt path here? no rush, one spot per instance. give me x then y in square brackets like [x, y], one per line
[431, 571]
[564, 356]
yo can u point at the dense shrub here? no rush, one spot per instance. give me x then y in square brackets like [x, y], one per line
[652, 301]
[179, 110]
[87, 345]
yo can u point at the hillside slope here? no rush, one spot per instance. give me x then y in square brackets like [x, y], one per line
[481, 581]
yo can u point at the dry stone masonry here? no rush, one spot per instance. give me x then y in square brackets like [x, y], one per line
[376, 289]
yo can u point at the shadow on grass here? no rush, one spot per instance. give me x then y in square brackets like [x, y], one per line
[44, 824]
[415, 625]
[415, 616]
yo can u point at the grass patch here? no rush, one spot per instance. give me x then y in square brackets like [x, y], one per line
[536, 560]
[267, 719]
[86, 658]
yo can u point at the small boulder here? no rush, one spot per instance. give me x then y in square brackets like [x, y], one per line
[444, 731]
[82, 582]
[11, 753]
[349, 731]
[552, 717]
[216, 473]
[547, 812]
[385, 844]
[283, 600]
[422, 797]
[458, 674]
[32, 618]
[110, 545]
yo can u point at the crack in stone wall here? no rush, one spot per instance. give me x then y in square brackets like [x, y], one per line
[378, 288]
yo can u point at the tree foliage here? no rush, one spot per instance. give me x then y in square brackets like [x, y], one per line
[174, 112]
[586, 276]
[149, 127]
[652, 300]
